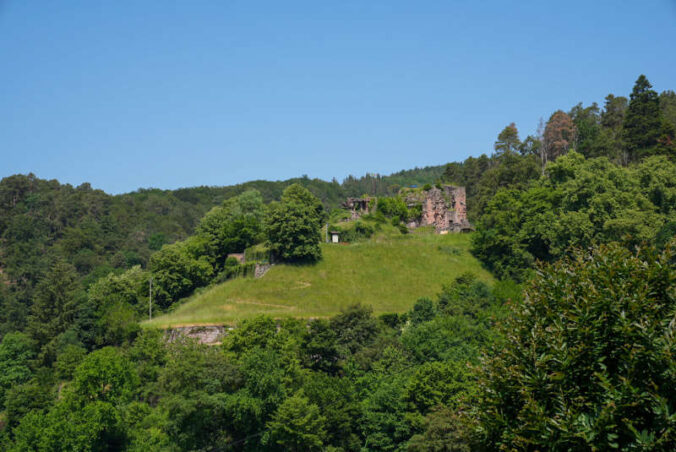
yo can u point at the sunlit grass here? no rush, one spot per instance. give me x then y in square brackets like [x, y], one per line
[387, 272]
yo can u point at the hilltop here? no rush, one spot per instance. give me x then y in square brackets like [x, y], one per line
[389, 272]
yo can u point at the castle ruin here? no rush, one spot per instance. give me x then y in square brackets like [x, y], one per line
[358, 206]
[444, 207]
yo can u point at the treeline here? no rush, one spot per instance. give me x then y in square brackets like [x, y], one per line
[589, 177]
[579, 203]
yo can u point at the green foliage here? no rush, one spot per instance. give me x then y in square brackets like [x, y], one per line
[338, 402]
[581, 202]
[68, 360]
[294, 225]
[355, 328]
[16, 352]
[385, 423]
[587, 362]
[665, 235]
[54, 309]
[508, 140]
[235, 226]
[87, 417]
[297, 426]
[179, 268]
[437, 384]
[482, 177]
[21, 399]
[445, 430]
[457, 326]
[106, 376]
[355, 231]
[95, 427]
[320, 348]
[587, 123]
[393, 207]
[116, 302]
[343, 383]
[423, 310]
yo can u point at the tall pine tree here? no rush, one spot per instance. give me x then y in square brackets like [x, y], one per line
[55, 305]
[642, 125]
[508, 140]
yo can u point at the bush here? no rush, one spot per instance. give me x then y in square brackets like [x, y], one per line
[363, 230]
[415, 211]
[587, 363]
[393, 208]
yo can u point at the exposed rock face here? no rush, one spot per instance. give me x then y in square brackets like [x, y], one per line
[444, 208]
[210, 335]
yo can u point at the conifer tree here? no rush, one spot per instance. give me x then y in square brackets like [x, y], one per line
[508, 140]
[642, 125]
[55, 303]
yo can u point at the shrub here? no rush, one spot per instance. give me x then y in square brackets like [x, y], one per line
[393, 208]
[587, 363]
[363, 230]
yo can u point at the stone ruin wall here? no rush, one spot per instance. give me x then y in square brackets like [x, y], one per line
[358, 207]
[444, 208]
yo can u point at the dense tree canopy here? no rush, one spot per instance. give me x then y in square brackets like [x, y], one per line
[579, 203]
[583, 359]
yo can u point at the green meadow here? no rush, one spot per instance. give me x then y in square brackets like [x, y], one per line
[388, 272]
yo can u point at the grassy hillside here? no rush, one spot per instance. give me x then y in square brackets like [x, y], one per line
[388, 272]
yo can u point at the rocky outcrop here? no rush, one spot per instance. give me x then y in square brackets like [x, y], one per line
[261, 269]
[208, 334]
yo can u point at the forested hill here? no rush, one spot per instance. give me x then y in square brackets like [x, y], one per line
[332, 194]
[590, 201]
[41, 220]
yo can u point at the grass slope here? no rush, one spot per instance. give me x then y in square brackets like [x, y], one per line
[387, 273]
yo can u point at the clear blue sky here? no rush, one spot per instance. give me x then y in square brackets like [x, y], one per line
[129, 94]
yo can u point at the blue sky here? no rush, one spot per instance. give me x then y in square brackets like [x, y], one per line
[130, 94]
